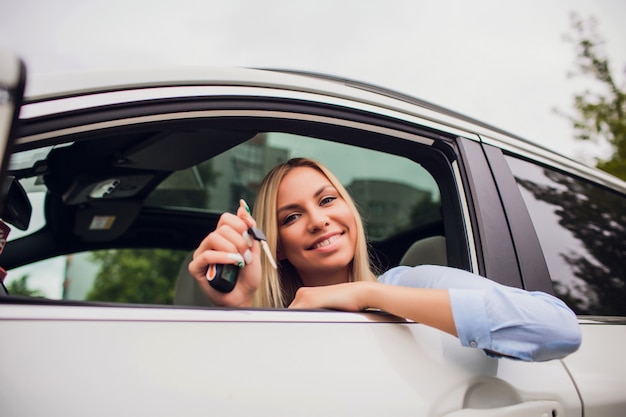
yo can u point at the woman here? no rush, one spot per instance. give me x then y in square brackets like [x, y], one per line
[314, 230]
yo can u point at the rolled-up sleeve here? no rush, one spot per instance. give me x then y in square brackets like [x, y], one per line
[500, 320]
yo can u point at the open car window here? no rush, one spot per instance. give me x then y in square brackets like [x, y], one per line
[150, 193]
[135, 276]
[394, 193]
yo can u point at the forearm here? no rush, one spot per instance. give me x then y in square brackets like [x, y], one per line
[422, 305]
[508, 321]
[501, 320]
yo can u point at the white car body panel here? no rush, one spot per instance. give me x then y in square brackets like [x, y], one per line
[163, 362]
[598, 367]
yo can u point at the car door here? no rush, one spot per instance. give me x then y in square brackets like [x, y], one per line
[72, 359]
[576, 244]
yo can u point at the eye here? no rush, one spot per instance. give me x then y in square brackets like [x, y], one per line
[290, 218]
[327, 200]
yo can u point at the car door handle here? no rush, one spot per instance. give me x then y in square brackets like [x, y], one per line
[525, 409]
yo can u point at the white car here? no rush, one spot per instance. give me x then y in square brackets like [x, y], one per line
[114, 178]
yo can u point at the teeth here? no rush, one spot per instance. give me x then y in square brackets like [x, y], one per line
[326, 242]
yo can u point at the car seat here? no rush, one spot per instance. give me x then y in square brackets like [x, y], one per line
[427, 251]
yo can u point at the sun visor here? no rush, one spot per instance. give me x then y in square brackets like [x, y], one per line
[105, 220]
[174, 151]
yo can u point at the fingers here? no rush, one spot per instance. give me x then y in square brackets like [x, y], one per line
[227, 239]
[240, 223]
[198, 266]
[243, 212]
[240, 296]
[230, 243]
[228, 236]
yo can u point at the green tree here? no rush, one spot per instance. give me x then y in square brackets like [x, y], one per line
[599, 116]
[20, 287]
[138, 276]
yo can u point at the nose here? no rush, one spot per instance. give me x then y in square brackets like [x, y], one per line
[317, 221]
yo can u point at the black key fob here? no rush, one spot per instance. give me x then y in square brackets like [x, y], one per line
[223, 277]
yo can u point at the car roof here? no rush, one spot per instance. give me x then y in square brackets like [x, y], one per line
[42, 87]
[70, 84]
[47, 87]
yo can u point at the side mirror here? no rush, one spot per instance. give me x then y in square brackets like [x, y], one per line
[17, 209]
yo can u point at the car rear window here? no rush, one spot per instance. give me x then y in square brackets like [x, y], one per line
[582, 230]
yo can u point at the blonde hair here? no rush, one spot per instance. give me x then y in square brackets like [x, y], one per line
[278, 287]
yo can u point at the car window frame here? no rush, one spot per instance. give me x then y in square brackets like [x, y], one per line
[493, 240]
[464, 251]
[528, 253]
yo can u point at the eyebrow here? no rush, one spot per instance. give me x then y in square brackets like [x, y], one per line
[316, 194]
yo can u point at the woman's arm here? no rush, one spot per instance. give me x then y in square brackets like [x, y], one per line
[500, 320]
[423, 305]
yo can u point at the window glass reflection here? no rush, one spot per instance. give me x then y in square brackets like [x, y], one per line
[581, 228]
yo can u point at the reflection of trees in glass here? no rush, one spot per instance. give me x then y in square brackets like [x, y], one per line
[141, 276]
[597, 218]
[20, 287]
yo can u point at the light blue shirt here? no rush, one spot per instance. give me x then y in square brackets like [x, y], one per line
[500, 320]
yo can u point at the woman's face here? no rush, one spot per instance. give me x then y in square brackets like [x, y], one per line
[316, 228]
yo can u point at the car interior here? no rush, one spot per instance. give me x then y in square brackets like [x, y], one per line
[164, 186]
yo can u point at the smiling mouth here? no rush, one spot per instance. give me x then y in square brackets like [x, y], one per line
[326, 242]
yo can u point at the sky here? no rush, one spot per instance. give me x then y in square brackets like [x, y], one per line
[502, 62]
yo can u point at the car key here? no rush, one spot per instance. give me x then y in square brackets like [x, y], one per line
[223, 277]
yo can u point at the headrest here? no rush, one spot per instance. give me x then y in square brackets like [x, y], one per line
[428, 251]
